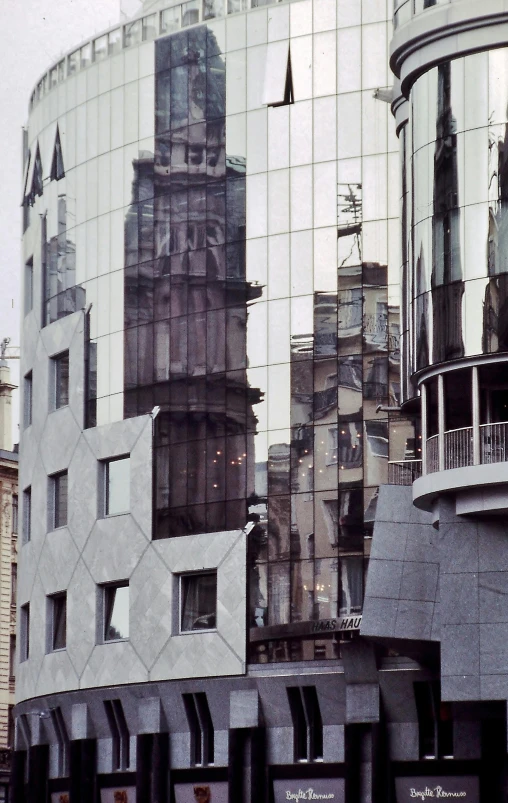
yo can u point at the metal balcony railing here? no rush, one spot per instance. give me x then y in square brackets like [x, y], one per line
[404, 472]
[459, 447]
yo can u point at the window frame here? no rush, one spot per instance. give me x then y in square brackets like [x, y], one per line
[61, 382]
[182, 578]
[105, 500]
[57, 604]
[55, 490]
[106, 590]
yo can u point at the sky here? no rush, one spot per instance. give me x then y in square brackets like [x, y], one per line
[34, 34]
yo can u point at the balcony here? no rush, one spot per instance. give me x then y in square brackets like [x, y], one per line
[404, 472]
[482, 445]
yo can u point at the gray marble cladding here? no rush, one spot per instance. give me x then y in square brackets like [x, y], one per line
[93, 549]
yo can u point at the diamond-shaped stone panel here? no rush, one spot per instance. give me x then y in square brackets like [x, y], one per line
[29, 343]
[56, 674]
[57, 336]
[81, 617]
[83, 482]
[59, 440]
[150, 606]
[57, 561]
[76, 378]
[39, 502]
[29, 446]
[114, 548]
[40, 389]
[141, 479]
[112, 664]
[191, 553]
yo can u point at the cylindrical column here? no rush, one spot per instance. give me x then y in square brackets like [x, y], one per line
[475, 390]
[423, 413]
[441, 421]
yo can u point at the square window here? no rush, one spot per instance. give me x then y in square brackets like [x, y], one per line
[116, 612]
[117, 486]
[24, 627]
[27, 515]
[58, 621]
[198, 602]
[61, 375]
[58, 491]
[27, 399]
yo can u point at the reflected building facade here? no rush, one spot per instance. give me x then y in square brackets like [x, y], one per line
[211, 330]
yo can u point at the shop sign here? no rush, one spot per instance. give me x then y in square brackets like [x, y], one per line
[119, 794]
[313, 789]
[420, 790]
[339, 624]
[201, 792]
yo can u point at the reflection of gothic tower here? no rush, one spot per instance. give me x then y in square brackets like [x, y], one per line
[447, 284]
[495, 308]
[186, 297]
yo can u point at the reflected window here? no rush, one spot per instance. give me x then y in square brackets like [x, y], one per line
[58, 621]
[116, 611]
[61, 70]
[213, 8]
[85, 56]
[190, 12]
[58, 500]
[132, 33]
[61, 378]
[170, 19]
[377, 438]
[117, 486]
[115, 41]
[149, 27]
[351, 585]
[198, 601]
[72, 63]
[100, 48]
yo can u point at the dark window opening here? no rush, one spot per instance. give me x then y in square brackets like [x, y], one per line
[25, 632]
[435, 722]
[61, 369]
[12, 657]
[458, 403]
[59, 622]
[201, 729]
[59, 499]
[27, 399]
[27, 515]
[29, 286]
[432, 408]
[119, 734]
[15, 514]
[62, 738]
[307, 723]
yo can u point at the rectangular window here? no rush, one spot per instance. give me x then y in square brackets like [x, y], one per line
[29, 286]
[14, 582]
[61, 377]
[15, 514]
[116, 612]
[27, 399]
[27, 515]
[307, 723]
[24, 630]
[198, 602]
[119, 734]
[12, 657]
[10, 727]
[170, 19]
[58, 499]
[149, 27]
[117, 486]
[58, 621]
[201, 729]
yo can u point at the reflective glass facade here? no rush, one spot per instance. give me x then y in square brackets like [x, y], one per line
[222, 202]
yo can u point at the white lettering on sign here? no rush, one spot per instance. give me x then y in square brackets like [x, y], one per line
[434, 793]
[308, 794]
[344, 623]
